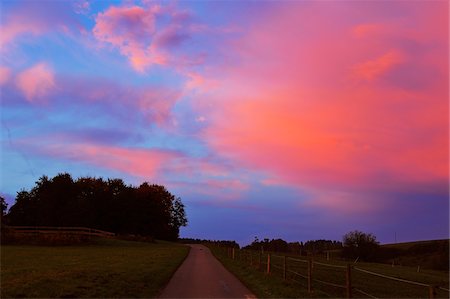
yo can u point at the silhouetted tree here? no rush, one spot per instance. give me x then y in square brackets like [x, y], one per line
[359, 244]
[3, 208]
[319, 246]
[148, 210]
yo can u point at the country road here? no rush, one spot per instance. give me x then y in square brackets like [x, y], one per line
[202, 276]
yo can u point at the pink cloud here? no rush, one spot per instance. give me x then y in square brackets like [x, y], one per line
[196, 81]
[149, 103]
[372, 69]
[138, 162]
[32, 19]
[157, 104]
[368, 29]
[131, 30]
[220, 189]
[5, 75]
[291, 107]
[36, 82]
[135, 31]
[15, 29]
[201, 176]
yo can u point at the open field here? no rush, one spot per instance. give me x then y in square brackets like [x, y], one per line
[330, 281]
[105, 268]
[432, 254]
[408, 245]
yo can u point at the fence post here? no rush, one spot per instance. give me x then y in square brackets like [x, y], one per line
[284, 267]
[268, 263]
[233, 253]
[310, 275]
[432, 291]
[349, 281]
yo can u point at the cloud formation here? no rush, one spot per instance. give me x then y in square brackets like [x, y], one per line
[144, 34]
[36, 82]
[32, 19]
[322, 112]
[5, 75]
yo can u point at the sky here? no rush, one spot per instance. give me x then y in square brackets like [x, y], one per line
[297, 120]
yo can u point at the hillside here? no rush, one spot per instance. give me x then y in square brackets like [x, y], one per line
[431, 254]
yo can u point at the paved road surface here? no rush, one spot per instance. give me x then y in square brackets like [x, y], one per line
[203, 276]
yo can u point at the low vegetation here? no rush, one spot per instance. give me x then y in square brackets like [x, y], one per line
[262, 285]
[246, 266]
[103, 268]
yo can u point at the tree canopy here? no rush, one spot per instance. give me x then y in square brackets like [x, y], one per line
[360, 245]
[279, 245]
[111, 205]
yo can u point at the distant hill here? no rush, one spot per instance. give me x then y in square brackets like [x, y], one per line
[431, 254]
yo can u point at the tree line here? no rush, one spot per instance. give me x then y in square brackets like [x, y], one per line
[280, 245]
[110, 205]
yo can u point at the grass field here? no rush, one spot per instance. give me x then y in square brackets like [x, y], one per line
[105, 268]
[408, 245]
[262, 285]
[274, 286]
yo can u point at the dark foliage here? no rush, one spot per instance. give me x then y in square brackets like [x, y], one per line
[3, 207]
[321, 246]
[279, 245]
[219, 243]
[360, 245]
[110, 205]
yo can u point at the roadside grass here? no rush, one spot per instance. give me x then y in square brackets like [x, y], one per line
[105, 268]
[261, 284]
[273, 285]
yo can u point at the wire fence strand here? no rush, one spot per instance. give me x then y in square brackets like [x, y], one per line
[392, 278]
[289, 265]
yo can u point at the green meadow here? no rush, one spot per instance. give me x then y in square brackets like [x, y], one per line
[104, 268]
[274, 286]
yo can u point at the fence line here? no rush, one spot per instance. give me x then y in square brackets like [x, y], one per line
[59, 230]
[392, 278]
[265, 264]
[330, 265]
[298, 274]
[330, 283]
[297, 260]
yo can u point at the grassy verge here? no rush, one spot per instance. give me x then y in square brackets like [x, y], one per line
[273, 285]
[261, 284]
[106, 268]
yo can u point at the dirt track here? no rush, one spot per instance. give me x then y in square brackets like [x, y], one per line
[203, 276]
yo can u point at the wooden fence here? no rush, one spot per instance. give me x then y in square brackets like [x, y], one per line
[313, 274]
[46, 230]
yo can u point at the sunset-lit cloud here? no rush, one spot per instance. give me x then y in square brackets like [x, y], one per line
[5, 75]
[144, 34]
[372, 69]
[29, 20]
[36, 82]
[333, 131]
